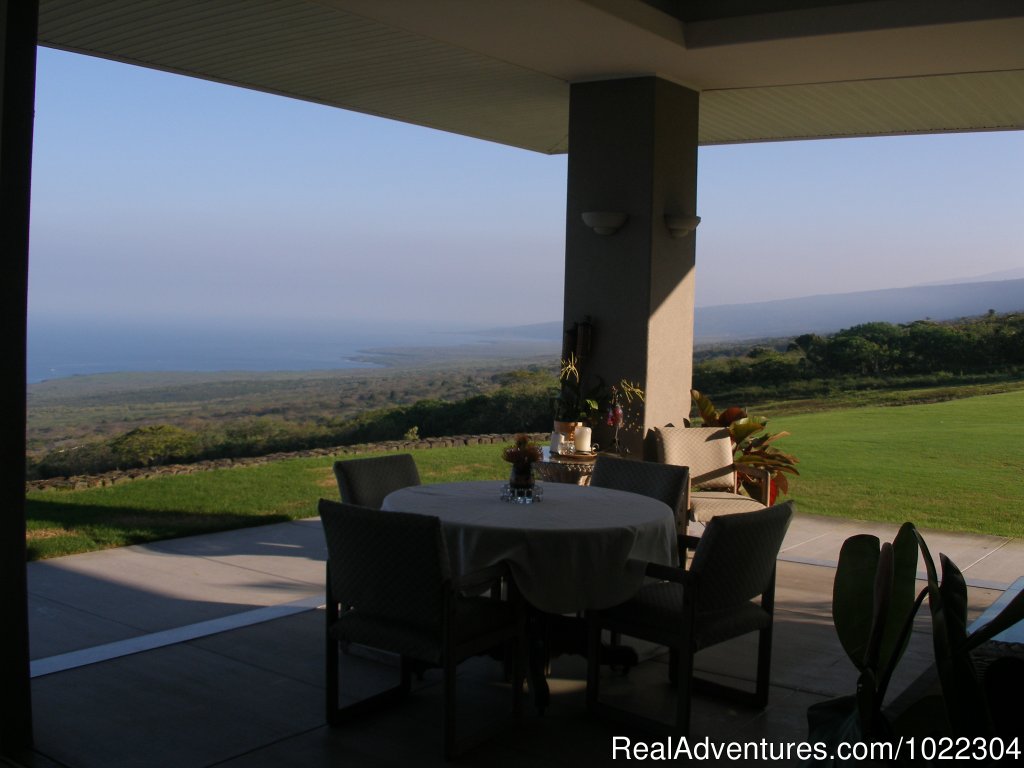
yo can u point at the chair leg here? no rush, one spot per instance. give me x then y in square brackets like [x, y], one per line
[593, 659]
[764, 667]
[331, 673]
[449, 707]
[520, 652]
[684, 686]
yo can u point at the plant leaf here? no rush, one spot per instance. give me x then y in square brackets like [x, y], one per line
[852, 601]
[705, 408]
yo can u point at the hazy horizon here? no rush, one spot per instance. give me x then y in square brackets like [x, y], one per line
[162, 199]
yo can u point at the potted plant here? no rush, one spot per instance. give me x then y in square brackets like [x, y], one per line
[874, 607]
[751, 448]
[570, 405]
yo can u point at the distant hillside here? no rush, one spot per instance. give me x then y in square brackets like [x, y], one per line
[825, 314]
[829, 313]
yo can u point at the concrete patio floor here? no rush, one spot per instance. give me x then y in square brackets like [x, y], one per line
[209, 651]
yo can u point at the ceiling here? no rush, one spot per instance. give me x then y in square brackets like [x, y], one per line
[500, 70]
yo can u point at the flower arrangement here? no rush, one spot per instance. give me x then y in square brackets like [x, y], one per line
[522, 451]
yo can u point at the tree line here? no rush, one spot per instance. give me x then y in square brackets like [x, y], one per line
[874, 354]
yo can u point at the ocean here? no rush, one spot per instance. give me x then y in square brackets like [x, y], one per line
[58, 349]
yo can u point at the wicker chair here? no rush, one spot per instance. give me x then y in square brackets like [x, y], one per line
[709, 603]
[366, 482]
[389, 587]
[714, 476]
[666, 482]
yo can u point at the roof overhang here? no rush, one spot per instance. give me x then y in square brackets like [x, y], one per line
[501, 69]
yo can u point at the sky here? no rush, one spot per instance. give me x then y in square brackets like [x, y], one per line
[168, 199]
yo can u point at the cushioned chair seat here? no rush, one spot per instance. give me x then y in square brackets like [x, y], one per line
[705, 505]
[474, 616]
[660, 605]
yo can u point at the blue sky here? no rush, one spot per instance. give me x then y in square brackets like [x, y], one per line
[164, 198]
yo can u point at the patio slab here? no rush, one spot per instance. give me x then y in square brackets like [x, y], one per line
[253, 696]
[130, 591]
[987, 561]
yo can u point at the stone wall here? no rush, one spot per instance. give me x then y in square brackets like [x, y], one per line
[123, 476]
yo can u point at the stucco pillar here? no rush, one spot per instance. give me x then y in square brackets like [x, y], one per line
[633, 150]
[18, 22]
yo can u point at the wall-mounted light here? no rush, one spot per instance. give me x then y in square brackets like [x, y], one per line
[604, 222]
[681, 226]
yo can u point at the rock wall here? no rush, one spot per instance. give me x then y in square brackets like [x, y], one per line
[122, 476]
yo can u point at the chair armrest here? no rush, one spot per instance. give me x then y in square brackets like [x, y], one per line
[667, 572]
[483, 577]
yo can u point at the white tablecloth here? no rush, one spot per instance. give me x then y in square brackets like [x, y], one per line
[576, 549]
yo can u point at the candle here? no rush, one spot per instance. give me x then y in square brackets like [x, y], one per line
[583, 439]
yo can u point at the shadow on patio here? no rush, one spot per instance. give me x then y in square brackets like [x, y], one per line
[253, 696]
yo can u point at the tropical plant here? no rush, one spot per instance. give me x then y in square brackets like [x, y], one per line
[751, 448]
[873, 609]
[570, 402]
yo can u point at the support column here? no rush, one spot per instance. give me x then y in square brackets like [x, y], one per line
[18, 25]
[633, 150]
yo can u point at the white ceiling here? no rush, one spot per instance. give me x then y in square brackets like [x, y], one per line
[501, 69]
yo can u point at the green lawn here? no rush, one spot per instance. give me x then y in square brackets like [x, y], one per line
[956, 465]
[64, 522]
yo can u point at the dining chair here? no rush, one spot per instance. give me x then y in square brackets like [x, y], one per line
[709, 603]
[665, 482]
[714, 475]
[390, 587]
[365, 482]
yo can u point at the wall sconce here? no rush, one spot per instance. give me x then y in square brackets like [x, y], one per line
[604, 222]
[681, 226]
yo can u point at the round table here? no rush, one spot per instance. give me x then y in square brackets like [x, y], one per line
[580, 548]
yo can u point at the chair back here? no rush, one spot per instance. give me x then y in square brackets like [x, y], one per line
[387, 565]
[707, 451]
[365, 482]
[735, 559]
[664, 482]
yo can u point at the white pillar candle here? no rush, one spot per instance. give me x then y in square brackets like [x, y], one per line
[583, 439]
[556, 443]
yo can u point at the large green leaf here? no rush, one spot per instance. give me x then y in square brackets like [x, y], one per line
[706, 409]
[852, 595]
[966, 705]
[741, 429]
[881, 596]
[901, 602]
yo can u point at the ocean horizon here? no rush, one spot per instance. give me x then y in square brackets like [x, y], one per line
[60, 349]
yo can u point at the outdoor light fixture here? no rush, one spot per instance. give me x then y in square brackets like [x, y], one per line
[604, 222]
[681, 226]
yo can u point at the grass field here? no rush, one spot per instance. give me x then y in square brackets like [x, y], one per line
[956, 465]
[65, 522]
